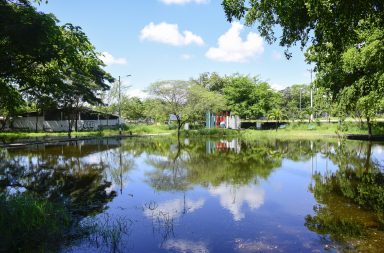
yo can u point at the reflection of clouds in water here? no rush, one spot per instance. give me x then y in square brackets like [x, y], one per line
[255, 246]
[174, 208]
[186, 246]
[378, 150]
[233, 198]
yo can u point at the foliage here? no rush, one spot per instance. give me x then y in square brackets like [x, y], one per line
[132, 108]
[343, 39]
[250, 97]
[58, 67]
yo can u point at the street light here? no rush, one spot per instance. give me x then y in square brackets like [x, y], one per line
[120, 103]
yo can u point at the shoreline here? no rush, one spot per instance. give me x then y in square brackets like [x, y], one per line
[250, 135]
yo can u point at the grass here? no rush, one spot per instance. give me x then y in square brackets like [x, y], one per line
[290, 131]
[28, 223]
[131, 129]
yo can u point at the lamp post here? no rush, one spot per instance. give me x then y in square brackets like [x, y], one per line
[120, 103]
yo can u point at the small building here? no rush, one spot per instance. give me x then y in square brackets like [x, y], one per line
[61, 120]
[222, 120]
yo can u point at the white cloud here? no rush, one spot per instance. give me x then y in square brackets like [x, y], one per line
[186, 246]
[184, 1]
[186, 57]
[277, 86]
[232, 198]
[232, 48]
[136, 93]
[277, 55]
[169, 34]
[109, 59]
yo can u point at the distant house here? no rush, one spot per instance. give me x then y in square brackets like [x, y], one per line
[62, 120]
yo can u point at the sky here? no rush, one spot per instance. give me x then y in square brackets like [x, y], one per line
[154, 40]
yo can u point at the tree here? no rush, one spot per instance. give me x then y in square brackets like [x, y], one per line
[296, 99]
[345, 41]
[250, 97]
[132, 108]
[211, 81]
[185, 101]
[58, 65]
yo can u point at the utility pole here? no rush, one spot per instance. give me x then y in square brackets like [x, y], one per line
[310, 71]
[301, 89]
[119, 106]
[120, 103]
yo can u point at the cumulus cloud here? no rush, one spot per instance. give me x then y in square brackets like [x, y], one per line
[184, 1]
[232, 48]
[137, 93]
[109, 59]
[169, 34]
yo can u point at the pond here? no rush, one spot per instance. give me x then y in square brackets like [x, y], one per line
[195, 195]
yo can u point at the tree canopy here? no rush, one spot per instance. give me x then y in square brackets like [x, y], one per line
[58, 64]
[343, 38]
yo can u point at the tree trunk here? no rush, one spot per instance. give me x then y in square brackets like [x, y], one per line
[368, 157]
[178, 128]
[77, 116]
[69, 126]
[277, 123]
[369, 123]
[37, 120]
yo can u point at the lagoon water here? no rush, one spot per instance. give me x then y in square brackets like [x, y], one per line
[208, 195]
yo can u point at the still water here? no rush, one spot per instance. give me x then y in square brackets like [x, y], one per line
[206, 195]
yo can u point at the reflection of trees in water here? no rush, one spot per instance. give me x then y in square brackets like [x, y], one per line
[179, 166]
[117, 164]
[70, 182]
[351, 199]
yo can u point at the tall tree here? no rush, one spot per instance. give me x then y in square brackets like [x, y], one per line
[335, 32]
[58, 63]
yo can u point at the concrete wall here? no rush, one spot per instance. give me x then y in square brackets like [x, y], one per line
[60, 125]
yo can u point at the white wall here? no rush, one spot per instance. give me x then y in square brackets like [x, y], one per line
[60, 125]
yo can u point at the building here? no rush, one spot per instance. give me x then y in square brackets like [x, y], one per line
[62, 120]
[222, 120]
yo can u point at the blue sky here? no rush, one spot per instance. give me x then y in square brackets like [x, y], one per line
[176, 39]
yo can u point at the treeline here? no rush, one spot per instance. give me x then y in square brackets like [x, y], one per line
[44, 64]
[243, 95]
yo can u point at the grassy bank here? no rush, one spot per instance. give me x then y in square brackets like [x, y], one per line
[311, 131]
[132, 129]
[289, 131]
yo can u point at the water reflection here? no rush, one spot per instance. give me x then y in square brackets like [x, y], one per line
[233, 198]
[350, 209]
[204, 195]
